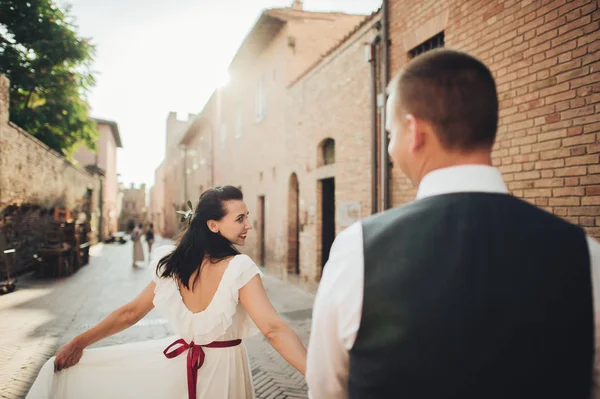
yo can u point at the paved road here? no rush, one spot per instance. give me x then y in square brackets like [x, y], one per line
[43, 314]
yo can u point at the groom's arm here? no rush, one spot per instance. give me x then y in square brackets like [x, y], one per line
[336, 317]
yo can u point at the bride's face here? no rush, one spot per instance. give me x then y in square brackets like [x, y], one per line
[235, 224]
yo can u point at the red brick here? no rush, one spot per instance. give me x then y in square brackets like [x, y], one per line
[557, 22]
[575, 113]
[592, 78]
[570, 75]
[525, 157]
[523, 140]
[591, 200]
[571, 171]
[573, 15]
[588, 180]
[594, 190]
[575, 23]
[585, 211]
[541, 111]
[532, 25]
[519, 185]
[591, 128]
[577, 103]
[547, 174]
[560, 211]
[572, 181]
[586, 221]
[566, 95]
[568, 191]
[549, 183]
[592, 6]
[592, 231]
[569, 6]
[527, 175]
[550, 9]
[574, 131]
[552, 135]
[511, 168]
[551, 164]
[566, 201]
[583, 160]
[534, 193]
[595, 117]
[578, 140]
[590, 30]
[547, 145]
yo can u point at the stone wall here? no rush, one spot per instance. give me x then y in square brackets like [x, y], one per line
[34, 180]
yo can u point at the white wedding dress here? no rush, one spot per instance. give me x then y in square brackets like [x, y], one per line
[141, 370]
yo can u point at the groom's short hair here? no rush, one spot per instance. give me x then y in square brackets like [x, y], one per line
[453, 91]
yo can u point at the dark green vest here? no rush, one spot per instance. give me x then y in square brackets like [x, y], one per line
[473, 295]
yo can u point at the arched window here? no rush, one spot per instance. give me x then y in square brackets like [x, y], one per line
[327, 152]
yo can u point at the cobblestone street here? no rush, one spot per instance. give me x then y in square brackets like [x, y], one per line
[45, 313]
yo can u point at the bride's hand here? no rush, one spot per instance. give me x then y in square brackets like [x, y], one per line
[68, 356]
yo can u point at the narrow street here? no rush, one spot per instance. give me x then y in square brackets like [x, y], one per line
[43, 314]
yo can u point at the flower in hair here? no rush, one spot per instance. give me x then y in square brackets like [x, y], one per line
[187, 215]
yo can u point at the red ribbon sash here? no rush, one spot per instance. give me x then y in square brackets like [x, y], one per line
[195, 358]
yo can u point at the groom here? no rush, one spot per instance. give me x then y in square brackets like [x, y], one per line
[467, 292]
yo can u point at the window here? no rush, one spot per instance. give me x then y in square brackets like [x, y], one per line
[435, 42]
[261, 100]
[223, 135]
[329, 152]
[238, 123]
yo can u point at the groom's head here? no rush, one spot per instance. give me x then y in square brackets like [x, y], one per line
[442, 111]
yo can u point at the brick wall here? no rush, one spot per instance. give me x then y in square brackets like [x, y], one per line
[331, 101]
[33, 180]
[546, 61]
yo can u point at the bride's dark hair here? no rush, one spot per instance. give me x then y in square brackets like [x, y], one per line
[198, 241]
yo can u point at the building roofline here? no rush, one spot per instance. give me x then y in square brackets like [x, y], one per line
[113, 126]
[337, 46]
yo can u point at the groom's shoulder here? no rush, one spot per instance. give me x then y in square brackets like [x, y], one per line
[395, 214]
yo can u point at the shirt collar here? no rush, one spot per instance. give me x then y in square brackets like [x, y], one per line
[460, 179]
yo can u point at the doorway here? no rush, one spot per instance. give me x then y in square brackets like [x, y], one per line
[293, 256]
[327, 218]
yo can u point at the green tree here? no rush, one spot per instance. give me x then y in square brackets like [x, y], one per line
[49, 67]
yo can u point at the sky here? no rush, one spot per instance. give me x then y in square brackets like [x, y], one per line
[156, 56]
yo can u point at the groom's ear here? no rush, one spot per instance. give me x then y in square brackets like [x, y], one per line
[415, 129]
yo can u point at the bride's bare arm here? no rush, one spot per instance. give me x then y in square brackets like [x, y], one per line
[120, 319]
[285, 340]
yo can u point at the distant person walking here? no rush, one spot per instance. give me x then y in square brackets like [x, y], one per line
[138, 251]
[150, 238]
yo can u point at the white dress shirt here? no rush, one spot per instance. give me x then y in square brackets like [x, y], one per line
[338, 304]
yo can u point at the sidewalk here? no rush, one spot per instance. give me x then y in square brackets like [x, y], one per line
[41, 315]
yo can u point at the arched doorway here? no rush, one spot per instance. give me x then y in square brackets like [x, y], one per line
[293, 256]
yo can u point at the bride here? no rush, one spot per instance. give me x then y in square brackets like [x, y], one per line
[213, 298]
